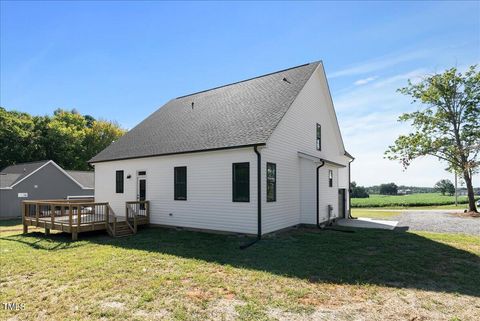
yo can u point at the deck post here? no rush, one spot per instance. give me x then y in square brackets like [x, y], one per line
[74, 235]
[24, 211]
[148, 211]
[70, 216]
[107, 213]
[47, 231]
[37, 212]
[52, 212]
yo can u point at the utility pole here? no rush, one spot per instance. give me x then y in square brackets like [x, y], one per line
[456, 195]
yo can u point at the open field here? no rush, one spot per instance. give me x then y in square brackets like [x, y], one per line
[298, 275]
[413, 200]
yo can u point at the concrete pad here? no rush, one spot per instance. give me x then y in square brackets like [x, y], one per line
[363, 222]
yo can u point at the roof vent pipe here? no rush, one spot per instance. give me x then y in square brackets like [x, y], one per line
[192, 105]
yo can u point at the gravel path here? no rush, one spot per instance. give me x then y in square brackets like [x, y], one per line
[438, 221]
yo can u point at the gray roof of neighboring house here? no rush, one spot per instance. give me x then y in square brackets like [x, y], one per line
[18, 171]
[239, 114]
[6, 180]
[87, 179]
[14, 173]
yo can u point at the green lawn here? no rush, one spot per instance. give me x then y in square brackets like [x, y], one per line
[413, 200]
[310, 274]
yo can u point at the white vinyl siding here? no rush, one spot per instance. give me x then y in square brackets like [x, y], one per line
[296, 184]
[209, 203]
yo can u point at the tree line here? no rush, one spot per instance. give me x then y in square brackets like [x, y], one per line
[443, 186]
[66, 137]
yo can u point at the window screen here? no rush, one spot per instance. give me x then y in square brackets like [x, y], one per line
[271, 182]
[180, 178]
[119, 182]
[241, 182]
[319, 137]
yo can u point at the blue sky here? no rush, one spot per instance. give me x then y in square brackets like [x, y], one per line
[123, 60]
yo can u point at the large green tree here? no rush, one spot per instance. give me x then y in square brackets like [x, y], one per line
[446, 126]
[445, 186]
[18, 138]
[68, 138]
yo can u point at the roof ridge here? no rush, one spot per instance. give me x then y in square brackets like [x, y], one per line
[245, 80]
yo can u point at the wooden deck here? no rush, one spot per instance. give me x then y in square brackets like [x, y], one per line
[76, 216]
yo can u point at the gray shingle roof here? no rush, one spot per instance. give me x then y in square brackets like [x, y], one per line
[14, 173]
[86, 179]
[7, 180]
[239, 114]
[18, 171]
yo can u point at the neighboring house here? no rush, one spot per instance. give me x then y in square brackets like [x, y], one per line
[40, 180]
[196, 159]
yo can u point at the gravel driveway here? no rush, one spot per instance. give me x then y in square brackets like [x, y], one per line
[438, 221]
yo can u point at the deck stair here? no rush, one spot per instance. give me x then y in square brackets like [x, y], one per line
[122, 229]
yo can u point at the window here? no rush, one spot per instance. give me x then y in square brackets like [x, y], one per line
[180, 180]
[271, 182]
[319, 137]
[142, 173]
[330, 178]
[241, 182]
[119, 181]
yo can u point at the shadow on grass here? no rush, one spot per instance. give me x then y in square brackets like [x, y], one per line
[387, 258]
[10, 222]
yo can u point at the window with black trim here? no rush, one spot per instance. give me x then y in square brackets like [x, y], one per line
[241, 182]
[271, 182]
[319, 137]
[119, 181]
[330, 178]
[180, 179]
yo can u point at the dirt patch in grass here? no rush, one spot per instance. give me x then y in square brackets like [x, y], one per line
[467, 214]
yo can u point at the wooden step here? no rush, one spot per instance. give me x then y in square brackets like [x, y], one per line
[123, 233]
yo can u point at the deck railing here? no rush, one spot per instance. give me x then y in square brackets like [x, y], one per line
[75, 216]
[136, 210]
[66, 215]
[111, 221]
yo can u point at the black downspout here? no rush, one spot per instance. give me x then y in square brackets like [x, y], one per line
[350, 190]
[259, 192]
[259, 200]
[318, 191]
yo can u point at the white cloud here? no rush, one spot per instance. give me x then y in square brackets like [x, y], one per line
[365, 81]
[379, 64]
[414, 75]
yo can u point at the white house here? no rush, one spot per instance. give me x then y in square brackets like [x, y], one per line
[253, 157]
